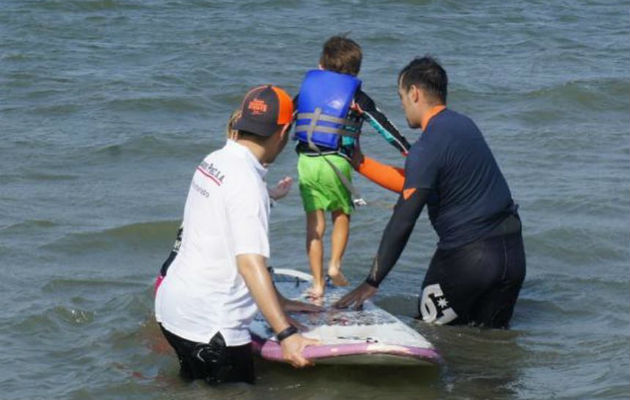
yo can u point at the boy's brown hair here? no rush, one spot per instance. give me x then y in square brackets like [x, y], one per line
[342, 55]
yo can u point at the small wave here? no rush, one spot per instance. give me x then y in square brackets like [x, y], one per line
[147, 143]
[63, 285]
[15, 57]
[145, 229]
[574, 245]
[134, 236]
[56, 109]
[44, 94]
[547, 104]
[170, 145]
[34, 324]
[384, 39]
[28, 226]
[51, 319]
[42, 176]
[166, 104]
[73, 316]
[90, 5]
[592, 94]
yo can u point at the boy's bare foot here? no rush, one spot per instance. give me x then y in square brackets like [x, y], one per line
[337, 277]
[315, 292]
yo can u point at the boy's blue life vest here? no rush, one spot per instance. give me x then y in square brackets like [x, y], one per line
[322, 110]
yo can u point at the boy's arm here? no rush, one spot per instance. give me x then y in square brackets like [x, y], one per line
[381, 123]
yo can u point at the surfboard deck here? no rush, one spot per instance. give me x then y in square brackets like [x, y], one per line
[371, 336]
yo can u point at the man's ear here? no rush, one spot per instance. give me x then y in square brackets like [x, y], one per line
[285, 130]
[415, 93]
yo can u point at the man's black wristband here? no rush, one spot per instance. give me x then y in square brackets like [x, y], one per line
[291, 330]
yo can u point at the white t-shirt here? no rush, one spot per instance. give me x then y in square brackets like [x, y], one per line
[226, 214]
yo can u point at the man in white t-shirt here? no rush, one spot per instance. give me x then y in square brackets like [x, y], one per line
[219, 278]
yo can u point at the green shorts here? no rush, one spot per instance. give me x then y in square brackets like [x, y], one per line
[320, 187]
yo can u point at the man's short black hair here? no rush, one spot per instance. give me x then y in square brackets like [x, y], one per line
[427, 74]
[252, 136]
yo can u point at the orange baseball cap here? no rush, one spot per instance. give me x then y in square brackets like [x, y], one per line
[264, 110]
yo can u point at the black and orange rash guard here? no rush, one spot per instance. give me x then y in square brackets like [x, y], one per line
[452, 170]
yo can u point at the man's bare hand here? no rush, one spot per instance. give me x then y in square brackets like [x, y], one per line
[298, 306]
[292, 348]
[356, 297]
[281, 189]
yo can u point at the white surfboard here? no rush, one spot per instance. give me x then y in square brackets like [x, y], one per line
[370, 336]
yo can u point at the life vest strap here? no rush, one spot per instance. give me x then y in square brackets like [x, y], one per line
[328, 129]
[321, 117]
[329, 118]
[357, 200]
[317, 116]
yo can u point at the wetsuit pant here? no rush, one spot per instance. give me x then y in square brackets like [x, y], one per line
[477, 283]
[213, 362]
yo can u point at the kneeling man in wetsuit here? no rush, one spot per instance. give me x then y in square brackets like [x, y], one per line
[478, 267]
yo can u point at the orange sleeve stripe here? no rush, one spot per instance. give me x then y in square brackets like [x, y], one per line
[387, 176]
[407, 193]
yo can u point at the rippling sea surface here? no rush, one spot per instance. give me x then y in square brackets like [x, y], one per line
[107, 106]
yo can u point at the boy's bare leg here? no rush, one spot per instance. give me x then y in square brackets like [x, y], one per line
[315, 228]
[339, 240]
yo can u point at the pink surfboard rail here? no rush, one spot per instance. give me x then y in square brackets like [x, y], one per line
[271, 350]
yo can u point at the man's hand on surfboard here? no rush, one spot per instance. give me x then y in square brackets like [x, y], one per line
[290, 306]
[298, 306]
[356, 297]
[292, 348]
[296, 323]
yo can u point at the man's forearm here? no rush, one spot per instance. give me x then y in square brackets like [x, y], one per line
[253, 269]
[396, 235]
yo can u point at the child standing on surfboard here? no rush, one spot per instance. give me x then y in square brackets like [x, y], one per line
[331, 108]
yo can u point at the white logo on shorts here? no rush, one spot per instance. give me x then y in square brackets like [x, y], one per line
[440, 314]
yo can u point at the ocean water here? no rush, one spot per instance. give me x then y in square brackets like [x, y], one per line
[107, 106]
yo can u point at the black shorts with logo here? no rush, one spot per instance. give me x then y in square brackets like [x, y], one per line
[477, 283]
[213, 362]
